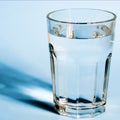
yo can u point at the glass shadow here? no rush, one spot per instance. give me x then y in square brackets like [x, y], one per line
[25, 88]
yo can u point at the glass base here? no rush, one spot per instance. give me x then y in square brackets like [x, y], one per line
[78, 112]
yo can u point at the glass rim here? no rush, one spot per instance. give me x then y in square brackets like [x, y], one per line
[68, 22]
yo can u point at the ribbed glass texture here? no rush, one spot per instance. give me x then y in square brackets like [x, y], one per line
[80, 46]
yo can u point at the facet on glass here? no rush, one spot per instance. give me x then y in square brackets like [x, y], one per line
[80, 46]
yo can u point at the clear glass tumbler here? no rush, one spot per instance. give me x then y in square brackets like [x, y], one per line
[80, 46]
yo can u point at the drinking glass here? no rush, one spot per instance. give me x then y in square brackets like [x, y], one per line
[80, 47]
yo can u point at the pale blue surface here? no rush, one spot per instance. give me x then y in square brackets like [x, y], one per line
[25, 83]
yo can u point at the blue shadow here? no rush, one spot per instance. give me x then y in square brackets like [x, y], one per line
[13, 81]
